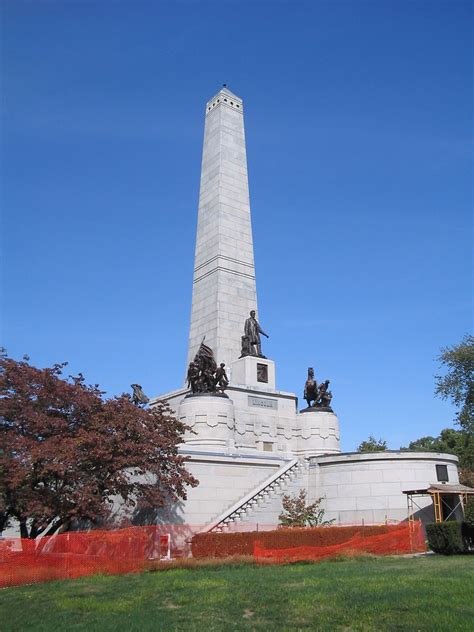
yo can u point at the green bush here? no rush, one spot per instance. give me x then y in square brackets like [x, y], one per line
[468, 536]
[445, 538]
[469, 511]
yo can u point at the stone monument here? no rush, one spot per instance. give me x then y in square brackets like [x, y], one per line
[248, 442]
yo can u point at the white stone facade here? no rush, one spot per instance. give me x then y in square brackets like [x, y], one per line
[370, 486]
[264, 419]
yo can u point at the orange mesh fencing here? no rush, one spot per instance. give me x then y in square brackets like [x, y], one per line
[75, 554]
[404, 539]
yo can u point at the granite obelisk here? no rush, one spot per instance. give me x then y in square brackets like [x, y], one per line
[224, 289]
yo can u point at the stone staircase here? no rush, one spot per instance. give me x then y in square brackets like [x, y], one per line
[263, 504]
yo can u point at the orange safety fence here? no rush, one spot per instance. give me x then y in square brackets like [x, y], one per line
[77, 553]
[405, 539]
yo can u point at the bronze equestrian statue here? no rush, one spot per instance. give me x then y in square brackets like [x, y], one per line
[311, 389]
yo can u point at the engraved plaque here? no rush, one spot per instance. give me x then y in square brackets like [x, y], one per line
[262, 372]
[263, 402]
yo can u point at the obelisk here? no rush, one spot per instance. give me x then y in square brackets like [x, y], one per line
[224, 290]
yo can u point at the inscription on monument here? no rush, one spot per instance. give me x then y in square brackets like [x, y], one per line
[262, 372]
[263, 402]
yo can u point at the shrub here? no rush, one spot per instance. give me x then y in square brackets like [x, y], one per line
[467, 531]
[296, 513]
[445, 538]
[242, 543]
[469, 512]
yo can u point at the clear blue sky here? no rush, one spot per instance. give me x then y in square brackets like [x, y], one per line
[359, 140]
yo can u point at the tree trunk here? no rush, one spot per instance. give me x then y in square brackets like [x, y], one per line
[23, 529]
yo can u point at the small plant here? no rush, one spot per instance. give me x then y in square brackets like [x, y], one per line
[296, 513]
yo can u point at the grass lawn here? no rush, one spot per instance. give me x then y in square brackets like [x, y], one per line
[425, 593]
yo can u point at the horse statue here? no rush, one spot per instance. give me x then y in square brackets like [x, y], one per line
[311, 393]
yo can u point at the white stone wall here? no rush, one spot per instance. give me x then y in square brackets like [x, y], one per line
[223, 481]
[370, 486]
[224, 289]
[263, 417]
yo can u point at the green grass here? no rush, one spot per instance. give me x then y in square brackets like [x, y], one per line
[424, 593]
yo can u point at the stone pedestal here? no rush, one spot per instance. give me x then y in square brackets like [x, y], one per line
[253, 371]
[211, 417]
[319, 432]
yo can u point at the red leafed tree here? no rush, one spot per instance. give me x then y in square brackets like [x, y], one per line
[66, 453]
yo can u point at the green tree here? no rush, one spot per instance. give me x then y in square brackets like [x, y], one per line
[457, 384]
[469, 511]
[296, 513]
[372, 445]
[458, 442]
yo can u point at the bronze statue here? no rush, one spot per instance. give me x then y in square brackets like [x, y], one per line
[246, 350]
[324, 396]
[192, 376]
[203, 374]
[311, 388]
[221, 380]
[317, 397]
[253, 330]
[139, 398]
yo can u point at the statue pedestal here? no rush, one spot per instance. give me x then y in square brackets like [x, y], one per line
[253, 371]
[319, 432]
[211, 417]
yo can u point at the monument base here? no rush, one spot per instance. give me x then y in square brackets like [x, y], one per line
[253, 371]
[211, 418]
[319, 432]
[206, 395]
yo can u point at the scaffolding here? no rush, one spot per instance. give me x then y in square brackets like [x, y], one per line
[442, 509]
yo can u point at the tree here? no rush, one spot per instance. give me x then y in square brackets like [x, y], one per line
[458, 442]
[296, 513]
[458, 383]
[372, 445]
[469, 512]
[66, 453]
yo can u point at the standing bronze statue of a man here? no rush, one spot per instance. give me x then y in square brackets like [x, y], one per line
[252, 331]
[221, 380]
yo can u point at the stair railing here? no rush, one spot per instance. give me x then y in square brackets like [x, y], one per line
[238, 507]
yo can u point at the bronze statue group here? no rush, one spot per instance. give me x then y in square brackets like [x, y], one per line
[320, 396]
[204, 376]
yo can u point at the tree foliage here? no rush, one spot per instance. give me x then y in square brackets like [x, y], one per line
[458, 383]
[469, 511]
[296, 513]
[458, 442]
[66, 453]
[372, 445]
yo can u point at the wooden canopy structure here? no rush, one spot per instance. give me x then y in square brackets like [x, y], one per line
[438, 494]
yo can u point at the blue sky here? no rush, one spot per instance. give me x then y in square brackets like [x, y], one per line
[359, 141]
